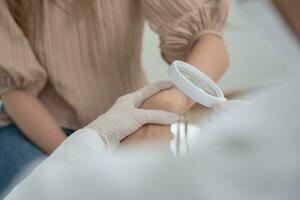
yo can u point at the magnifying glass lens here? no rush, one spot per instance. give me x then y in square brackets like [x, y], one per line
[196, 81]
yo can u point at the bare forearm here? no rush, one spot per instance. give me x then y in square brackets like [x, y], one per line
[210, 56]
[33, 119]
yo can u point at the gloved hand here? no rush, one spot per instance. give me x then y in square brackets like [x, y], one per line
[125, 116]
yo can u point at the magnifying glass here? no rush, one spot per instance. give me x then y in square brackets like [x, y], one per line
[195, 84]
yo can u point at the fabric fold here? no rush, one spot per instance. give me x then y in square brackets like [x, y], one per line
[183, 22]
[19, 67]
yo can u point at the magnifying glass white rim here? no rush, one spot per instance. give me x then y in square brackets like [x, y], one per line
[194, 92]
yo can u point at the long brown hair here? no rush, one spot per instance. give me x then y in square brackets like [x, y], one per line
[24, 10]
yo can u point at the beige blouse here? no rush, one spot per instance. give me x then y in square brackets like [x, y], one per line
[79, 66]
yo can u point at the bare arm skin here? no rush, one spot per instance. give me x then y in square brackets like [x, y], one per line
[33, 119]
[210, 56]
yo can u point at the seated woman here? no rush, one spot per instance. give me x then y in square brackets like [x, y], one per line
[64, 62]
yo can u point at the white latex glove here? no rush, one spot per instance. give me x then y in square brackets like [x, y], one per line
[125, 116]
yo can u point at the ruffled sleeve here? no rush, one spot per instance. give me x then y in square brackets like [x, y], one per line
[19, 67]
[180, 23]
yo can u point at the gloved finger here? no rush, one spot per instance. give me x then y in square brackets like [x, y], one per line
[156, 117]
[148, 91]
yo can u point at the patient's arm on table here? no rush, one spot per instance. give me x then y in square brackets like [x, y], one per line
[210, 56]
